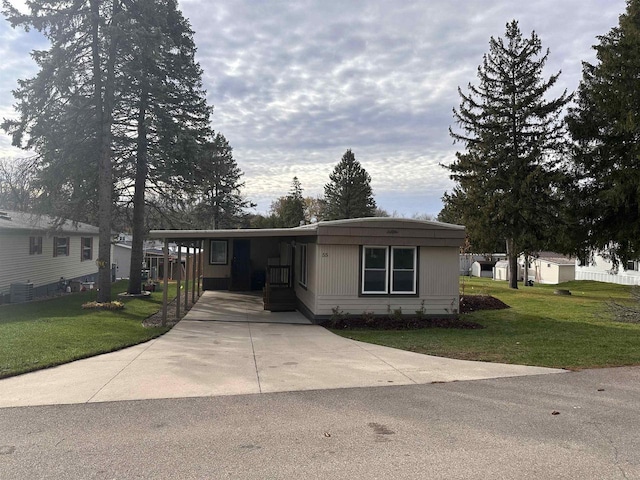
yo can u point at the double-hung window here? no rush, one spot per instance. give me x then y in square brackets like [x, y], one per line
[87, 248]
[375, 268]
[61, 246]
[389, 270]
[403, 270]
[35, 245]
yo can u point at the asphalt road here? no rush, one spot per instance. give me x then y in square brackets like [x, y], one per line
[499, 429]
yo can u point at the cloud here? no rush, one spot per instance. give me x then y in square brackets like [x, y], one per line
[294, 84]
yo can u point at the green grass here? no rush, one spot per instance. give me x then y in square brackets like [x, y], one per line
[51, 332]
[540, 328]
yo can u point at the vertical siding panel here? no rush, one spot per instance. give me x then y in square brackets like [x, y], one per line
[338, 267]
[438, 271]
[308, 295]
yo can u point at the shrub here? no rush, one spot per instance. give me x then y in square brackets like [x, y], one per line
[115, 305]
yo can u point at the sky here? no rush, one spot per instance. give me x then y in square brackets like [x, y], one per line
[294, 84]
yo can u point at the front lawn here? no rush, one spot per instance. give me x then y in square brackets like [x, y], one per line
[51, 332]
[540, 328]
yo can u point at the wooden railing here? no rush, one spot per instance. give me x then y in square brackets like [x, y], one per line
[279, 275]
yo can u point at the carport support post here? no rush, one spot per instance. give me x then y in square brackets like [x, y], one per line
[186, 278]
[200, 265]
[165, 281]
[178, 275]
[194, 262]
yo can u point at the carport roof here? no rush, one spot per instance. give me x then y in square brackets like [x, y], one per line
[235, 233]
[322, 228]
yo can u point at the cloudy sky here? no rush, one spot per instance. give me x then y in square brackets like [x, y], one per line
[296, 83]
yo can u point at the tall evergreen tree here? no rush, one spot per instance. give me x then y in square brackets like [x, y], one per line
[162, 88]
[349, 194]
[605, 124]
[508, 176]
[291, 207]
[218, 197]
[66, 110]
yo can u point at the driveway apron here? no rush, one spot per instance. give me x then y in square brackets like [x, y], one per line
[228, 345]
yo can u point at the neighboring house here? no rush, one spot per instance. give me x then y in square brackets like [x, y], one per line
[153, 263]
[33, 253]
[602, 270]
[351, 266]
[550, 268]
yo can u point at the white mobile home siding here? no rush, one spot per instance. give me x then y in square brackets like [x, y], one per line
[338, 283]
[601, 270]
[18, 266]
[307, 295]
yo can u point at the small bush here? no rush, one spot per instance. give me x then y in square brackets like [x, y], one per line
[115, 305]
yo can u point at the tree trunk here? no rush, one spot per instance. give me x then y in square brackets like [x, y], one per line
[137, 242]
[104, 112]
[526, 269]
[513, 264]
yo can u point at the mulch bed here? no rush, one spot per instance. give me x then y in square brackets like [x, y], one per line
[391, 323]
[468, 304]
[473, 303]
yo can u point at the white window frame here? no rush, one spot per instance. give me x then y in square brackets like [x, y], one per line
[393, 269]
[86, 249]
[364, 269]
[303, 265]
[226, 252]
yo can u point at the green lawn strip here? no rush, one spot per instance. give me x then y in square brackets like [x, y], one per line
[50, 332]
[541, 329]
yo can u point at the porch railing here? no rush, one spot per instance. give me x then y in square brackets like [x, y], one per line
[279, 275]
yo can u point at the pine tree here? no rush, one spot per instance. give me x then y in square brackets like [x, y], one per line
[162, 88]
[219, 202]
[508, 176]
[349, 194]
[605, 124]
[66, 110]
[291, 211]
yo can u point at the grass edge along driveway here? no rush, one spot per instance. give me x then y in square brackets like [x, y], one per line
[54, 331]
[540, 328]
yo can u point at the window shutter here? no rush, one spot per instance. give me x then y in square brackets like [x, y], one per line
[55, 246]
[68, 246]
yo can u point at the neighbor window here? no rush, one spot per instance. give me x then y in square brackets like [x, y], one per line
[87, 248]
[218, 252]
[303, 265]
[35, 245]
[61, 246]
[389, 270]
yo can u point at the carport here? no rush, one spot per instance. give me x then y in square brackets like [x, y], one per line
[253, 260]
[216, 305]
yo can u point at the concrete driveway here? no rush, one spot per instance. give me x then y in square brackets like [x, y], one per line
[224, 347]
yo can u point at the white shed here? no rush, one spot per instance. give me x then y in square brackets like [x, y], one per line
[552, 268]
[482, 268]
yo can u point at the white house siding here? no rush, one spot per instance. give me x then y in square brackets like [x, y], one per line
[308, 295]
[339, 270]
[17, 266]
[601, 270]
